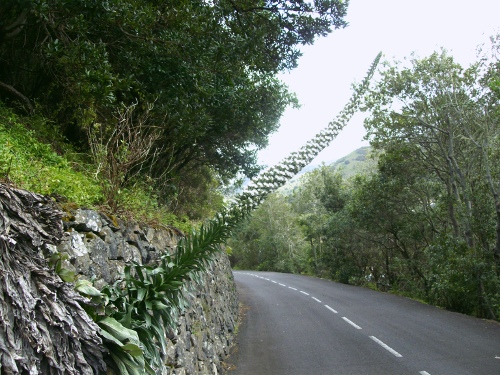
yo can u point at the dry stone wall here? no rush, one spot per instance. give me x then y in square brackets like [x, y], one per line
[100, 246]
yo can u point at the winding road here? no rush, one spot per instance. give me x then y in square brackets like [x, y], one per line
[298, 325]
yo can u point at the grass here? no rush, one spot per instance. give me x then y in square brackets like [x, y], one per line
[34, 157]
[28, 163]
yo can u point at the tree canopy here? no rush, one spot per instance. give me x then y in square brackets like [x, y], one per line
[204, 70]
[426, 221]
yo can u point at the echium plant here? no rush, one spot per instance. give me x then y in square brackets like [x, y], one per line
[134, 312]
[275, 177]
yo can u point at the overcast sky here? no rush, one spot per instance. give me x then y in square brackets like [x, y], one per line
[326, 70]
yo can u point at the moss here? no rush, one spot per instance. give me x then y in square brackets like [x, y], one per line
[206, 308]
[114, 220]
[196, 327]
[90, 235]
[68, 208]
[68, 218]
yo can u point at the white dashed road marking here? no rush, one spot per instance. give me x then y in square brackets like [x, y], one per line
[351, 323]
[381, 343]
[314, 298]
[386, 347]
[332, 310]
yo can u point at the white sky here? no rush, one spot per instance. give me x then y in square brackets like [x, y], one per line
[326, 70]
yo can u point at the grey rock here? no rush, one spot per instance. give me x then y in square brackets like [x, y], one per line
[73, 244]
[189, 363]
[100, 247]
[112, 223]
[100, 255]
[87, 221]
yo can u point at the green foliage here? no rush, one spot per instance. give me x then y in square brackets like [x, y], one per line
[270, 240]
[135, 311]
[446, 123]
[360, 161]
[124, 346]
[425, 222]
[33, 165]
[119, 151]
[28, 160]
[277, 176]
[140, 202]
[146, 300]
[322, 203]
[462, 279]
[56, 260]
[195, 194]
[208, 66]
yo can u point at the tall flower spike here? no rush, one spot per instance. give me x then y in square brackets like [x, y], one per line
[276, 176]
[195, 250]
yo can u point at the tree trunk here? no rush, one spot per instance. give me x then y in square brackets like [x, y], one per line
[43, 327]
[315, 258]
[496, 199]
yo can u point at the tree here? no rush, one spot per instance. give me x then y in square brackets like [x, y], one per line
[443, 116]
[209, 67]
[271, 239]
[311, 215]
[393, 208]
[275, 177]
[484, 132]
[432, 95]
[134, 308]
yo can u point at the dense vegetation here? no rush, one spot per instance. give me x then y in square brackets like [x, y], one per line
[143, 108]
[134, 312]
[146, 107]
[425, 222]
[177, 95]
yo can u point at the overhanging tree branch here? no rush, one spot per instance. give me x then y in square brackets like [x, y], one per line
[10, 31]
[10, 89]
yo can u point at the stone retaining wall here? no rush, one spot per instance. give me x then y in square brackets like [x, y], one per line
[99, 247]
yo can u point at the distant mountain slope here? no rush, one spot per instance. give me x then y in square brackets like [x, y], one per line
[358, 161]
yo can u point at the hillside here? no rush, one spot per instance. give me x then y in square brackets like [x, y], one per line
[358, 161]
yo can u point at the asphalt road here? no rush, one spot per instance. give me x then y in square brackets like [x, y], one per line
[298, 325]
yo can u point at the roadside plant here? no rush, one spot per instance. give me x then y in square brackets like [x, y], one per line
[134, 312]
[276, 176]
[120, 150]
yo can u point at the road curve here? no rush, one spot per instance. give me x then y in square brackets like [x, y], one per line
[297, 325]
